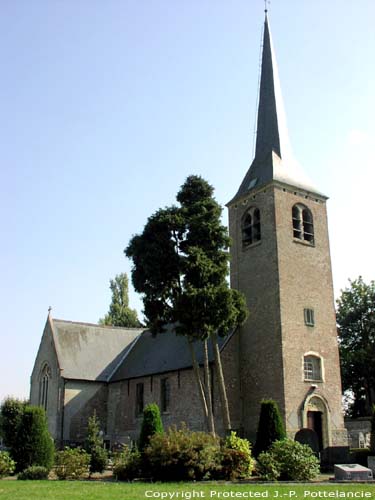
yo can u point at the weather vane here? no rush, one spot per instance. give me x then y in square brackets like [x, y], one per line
[266, 2]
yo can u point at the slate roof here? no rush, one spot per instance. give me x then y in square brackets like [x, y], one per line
[157, 354]
[273, 159]
[91, 352]
[108, 354]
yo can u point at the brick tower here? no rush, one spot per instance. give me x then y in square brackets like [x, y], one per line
[281, 262]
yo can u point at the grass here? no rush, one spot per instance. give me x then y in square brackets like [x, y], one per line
[98, 490]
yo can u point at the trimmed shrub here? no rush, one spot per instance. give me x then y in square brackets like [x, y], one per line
[72, 463]
[7, 465]
[34, 442]
[180, 455]
[372, 436]
[237, 462]
[288, 460]
[10, 418]
[94, 445]
[151, 424]
[127, 465]
[270, 427]
[34, 472]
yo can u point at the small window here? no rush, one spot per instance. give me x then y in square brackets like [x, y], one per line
[303, 227]
[165, 394]
[139, 403]
[312, 368]
[309, 317]
[251, 227]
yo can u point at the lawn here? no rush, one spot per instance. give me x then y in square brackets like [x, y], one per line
[95, 490]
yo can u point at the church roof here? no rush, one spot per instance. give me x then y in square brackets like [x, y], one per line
[160, 353]
[273, 159]
[91, 352]
[108, 354]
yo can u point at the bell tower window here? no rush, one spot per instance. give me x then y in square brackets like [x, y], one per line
[303, 225]
[251, 227]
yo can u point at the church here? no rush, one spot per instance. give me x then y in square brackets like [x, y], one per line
[287, 350]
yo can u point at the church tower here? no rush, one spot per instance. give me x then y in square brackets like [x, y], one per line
[281, 262]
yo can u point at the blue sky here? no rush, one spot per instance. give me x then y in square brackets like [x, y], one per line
[106, 108]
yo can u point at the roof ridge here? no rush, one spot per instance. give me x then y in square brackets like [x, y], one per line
[109, 327]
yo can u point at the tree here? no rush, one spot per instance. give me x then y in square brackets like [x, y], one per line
[180, 266]
[119, 313]
[94, 445]
[34, 444]
[151, 424]
[270, 427]
[356, 330]
[10, 418]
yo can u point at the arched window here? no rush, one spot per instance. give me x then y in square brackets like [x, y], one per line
[312, 368]
[251, 227]
[43, 386]
[303, 226]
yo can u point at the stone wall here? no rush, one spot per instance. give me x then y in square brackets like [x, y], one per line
[47, 357]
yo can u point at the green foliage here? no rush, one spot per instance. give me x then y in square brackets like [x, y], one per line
[151, 424]
[7, 465]
[270, 427]
[35, 472]
[180, 455]
[181, 263]
[127, 464]
[372, 436]
[288, 460]
[94, 445]
[10, 417]
[72, 463]
[34, 444]
[119, 313]
[242, 463]
[356, 329]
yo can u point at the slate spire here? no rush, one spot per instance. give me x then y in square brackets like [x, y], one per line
[272, 133]
[273, 159]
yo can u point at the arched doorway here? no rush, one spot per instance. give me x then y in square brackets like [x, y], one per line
[315, 416]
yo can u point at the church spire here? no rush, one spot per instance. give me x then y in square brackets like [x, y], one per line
[272, 134]
[273, 159]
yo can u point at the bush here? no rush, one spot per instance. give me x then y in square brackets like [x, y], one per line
[34, 442]
[127, 465]
[288, 460]
[7, 465]
[10, 418]
[72, 463]
[151, 424]
[236, 462]
[34, 472]
[94, 445]
[270, 427]
[181, 455]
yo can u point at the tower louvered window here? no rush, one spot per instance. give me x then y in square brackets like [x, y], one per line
[303, 226]
[251, 232]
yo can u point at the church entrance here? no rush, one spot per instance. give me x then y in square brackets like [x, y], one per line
[315, 423]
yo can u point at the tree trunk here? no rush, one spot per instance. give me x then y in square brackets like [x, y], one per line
[211, 422]
[221, 384]
[199, 382]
